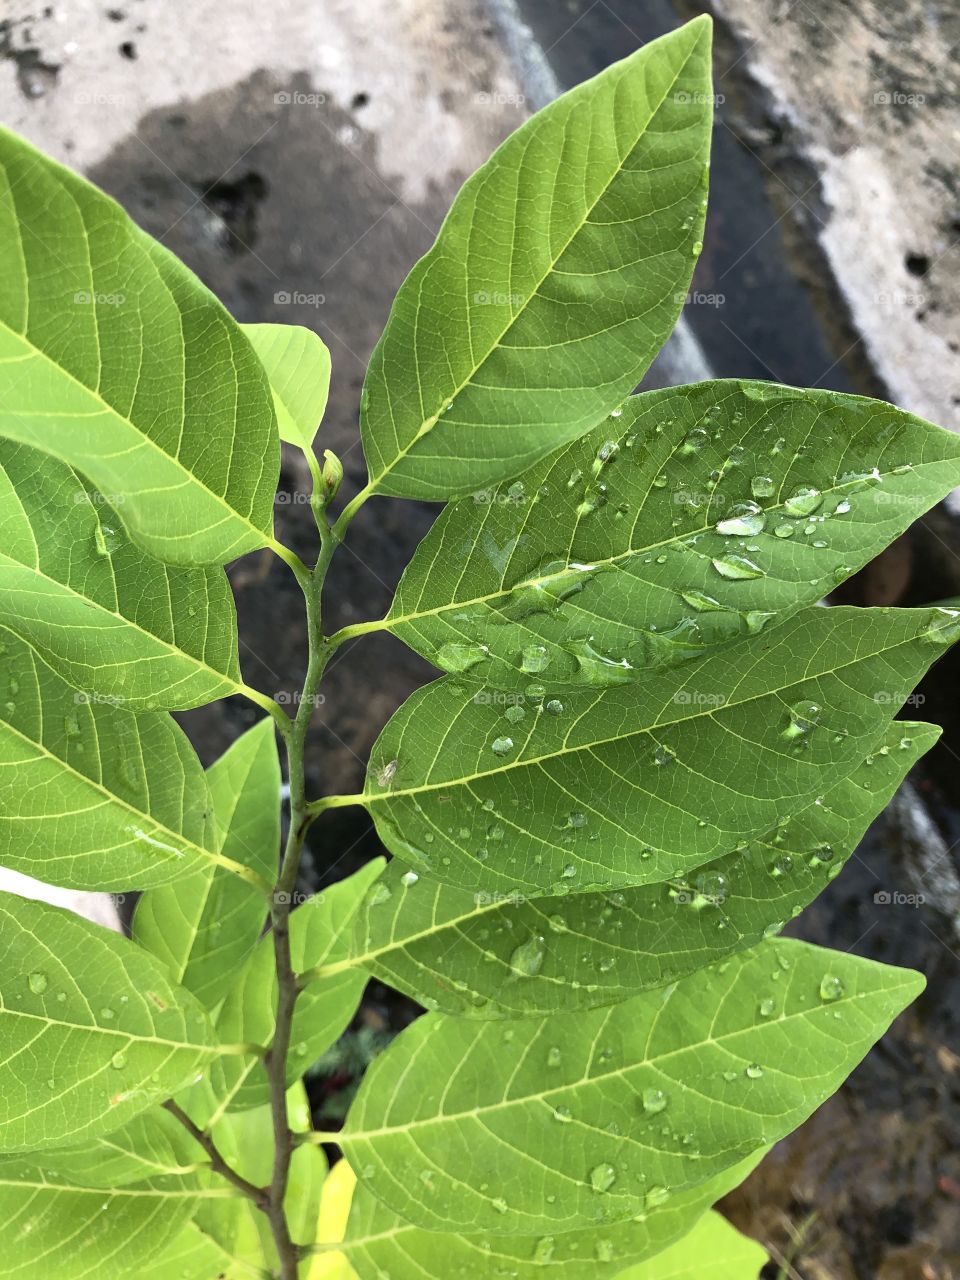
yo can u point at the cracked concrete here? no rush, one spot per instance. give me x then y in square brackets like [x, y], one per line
[867, 94]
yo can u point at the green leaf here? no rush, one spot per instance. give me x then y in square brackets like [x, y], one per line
[555, 279]
[90, 1233]
[298, 366]
[379, 1242]
[601, 561]
[192, 1256]
[637, 783]
[539, 1125]
[319, 935]
[116, 359]
[93, 796]
[489, 955]
[245, 1139]
[107, 617]
[152, 1146]
[92, 1031]
[712, 1251]
[204, 925]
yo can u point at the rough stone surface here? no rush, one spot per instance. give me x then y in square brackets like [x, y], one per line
[867, 92]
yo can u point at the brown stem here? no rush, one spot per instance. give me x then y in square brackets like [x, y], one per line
[288, 988]
[259, 1195]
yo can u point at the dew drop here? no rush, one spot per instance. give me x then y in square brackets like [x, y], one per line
[535, 658]
[37, 982]
[119, 1060]
[694, 440]
[737, 567]
[602, 1177]
[555, 707]
[762, 486]
[527, 960]
[767, 1007]
[543, 1251]
[803, 501]
[501, 746]
[409, 878]
[831, 988]
[654, 1101]
[553, 1057]
[803, 717]
[754, 1071]
[378, 894]
[744, 521]
[455, 657]
[943, 628]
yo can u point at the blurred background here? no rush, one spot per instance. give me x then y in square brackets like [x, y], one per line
[300, 156]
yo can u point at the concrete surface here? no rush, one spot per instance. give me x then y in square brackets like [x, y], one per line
[866, 93]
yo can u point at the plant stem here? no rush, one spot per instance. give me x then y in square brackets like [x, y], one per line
[288, 988]
[217, 1163]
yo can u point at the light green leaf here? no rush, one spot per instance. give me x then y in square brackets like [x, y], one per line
[92, 1031]
[193, 1256]
[538, 1125]
[107, 617]
[613, 555]
[93, 796]
[489, 955]
[319, 934]
[379, 1242]
[204, 925]
[683, 764]
[116, 359]
[153, 1145]
[557, 276]
[90, 1233]
[714, 1250]
[245, 1139]
[298, 366]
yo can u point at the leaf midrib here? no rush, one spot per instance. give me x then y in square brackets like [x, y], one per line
[615, 1073]
[173, 650]
[107, 408]
[113, 799]
[709, 712]
[429, 423]
[678, 540]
